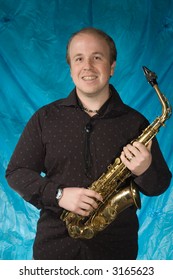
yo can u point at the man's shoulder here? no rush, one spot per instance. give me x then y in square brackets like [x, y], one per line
[57, 104]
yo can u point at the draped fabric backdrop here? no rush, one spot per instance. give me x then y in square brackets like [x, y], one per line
[33, 72]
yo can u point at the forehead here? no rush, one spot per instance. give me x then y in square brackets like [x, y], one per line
[88, 42]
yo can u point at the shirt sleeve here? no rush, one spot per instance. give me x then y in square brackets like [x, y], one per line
[24, 171]
[156, 179]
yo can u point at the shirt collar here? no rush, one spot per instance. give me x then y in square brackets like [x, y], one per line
[112, 107]
[70, 100]
[116, 106]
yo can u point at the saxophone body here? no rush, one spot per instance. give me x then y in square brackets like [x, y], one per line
[112, 185]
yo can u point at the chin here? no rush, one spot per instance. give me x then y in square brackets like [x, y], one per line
[89, 92]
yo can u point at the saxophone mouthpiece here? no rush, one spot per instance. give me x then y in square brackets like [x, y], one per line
[151, 76]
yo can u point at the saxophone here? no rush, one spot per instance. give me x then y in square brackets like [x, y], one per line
[116, 196]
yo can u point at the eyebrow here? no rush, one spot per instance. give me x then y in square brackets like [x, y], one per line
[78, 54]
[100, 53]
[94, 53]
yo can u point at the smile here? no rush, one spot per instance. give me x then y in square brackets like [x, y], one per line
[89, 78]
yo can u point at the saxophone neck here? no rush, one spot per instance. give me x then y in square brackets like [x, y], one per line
[154, 127]
[166, 108]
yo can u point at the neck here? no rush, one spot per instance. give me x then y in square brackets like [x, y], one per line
[92, 103]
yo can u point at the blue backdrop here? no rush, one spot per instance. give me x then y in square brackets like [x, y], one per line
[33, 72]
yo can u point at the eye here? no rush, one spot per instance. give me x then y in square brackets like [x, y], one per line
[78, 59]
[97, 57]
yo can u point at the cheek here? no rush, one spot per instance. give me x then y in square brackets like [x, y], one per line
[73, 74]
[74, 71]
[106, 71]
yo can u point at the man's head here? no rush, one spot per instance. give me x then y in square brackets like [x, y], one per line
[95, 32]
[91, 55]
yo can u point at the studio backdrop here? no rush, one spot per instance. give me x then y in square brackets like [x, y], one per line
[33, 72]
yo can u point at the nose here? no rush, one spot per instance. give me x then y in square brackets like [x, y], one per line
[88, 64]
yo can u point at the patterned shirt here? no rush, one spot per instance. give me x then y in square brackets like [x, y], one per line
[73, 149]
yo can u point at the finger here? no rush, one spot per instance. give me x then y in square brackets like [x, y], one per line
[125, 160]
[142, 148]
[93, 194]
[127, 153]
[85, 209]
[130, 151]
[83, 212]
[149, 146]
[89, 204]
[139, 146]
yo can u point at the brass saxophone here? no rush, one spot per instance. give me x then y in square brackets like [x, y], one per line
[110, 185]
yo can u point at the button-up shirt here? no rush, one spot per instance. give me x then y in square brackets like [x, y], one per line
[57, 149]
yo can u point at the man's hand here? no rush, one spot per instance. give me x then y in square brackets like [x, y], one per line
[79, 200]
[137, 157]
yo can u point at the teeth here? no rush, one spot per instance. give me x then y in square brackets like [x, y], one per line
[89, 78]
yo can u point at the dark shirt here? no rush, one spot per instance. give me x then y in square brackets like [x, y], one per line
[55, 142]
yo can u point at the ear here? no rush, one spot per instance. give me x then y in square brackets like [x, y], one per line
[112, 68]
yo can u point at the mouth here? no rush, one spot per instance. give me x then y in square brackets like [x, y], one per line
[89, 78]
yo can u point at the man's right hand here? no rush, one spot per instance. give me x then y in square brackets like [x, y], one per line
[79, 200]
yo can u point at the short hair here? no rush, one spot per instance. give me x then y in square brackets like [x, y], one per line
[102, 34]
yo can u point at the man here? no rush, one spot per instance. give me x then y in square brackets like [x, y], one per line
[72, 141]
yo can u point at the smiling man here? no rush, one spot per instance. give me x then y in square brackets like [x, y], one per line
[91, 67]
[72, 141]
